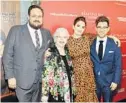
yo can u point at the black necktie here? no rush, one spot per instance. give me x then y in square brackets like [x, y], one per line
[100, 51]
[37, 40]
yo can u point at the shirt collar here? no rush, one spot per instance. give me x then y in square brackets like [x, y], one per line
[102, 39]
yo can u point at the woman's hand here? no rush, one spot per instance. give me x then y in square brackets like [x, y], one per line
[47, 52]
[116, 40]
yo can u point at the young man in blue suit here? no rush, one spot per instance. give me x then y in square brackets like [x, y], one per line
[106, 58]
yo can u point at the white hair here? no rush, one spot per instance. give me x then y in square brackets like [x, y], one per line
[60, 30]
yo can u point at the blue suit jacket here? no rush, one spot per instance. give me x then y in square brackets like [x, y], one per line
[107, 70]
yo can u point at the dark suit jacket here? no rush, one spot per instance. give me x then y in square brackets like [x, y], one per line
[110, 66]
[20, 58]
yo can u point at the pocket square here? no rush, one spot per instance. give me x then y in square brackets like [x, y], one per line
[111, 51]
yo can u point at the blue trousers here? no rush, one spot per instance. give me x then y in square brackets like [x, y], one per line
[104, 92]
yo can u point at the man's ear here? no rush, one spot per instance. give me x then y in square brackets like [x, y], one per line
[108, 29]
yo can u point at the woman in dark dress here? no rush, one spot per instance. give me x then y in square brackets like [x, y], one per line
[57, 75]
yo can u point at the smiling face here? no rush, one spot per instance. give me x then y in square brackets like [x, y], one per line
[60, 37]
[36, 18]
[102, 26]
[79, 28]
[102, 29]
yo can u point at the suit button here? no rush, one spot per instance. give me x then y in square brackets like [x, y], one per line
[35, 69]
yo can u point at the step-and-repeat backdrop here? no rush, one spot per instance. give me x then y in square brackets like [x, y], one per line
[62, 13]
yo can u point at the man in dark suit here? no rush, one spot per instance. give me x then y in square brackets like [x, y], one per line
[23, 56]
[106, 57]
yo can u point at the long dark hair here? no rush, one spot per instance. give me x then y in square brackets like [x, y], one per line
[80, 18]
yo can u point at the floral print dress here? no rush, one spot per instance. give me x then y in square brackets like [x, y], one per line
[55, 77]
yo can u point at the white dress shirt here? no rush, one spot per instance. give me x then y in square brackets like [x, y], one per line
[104, 44]
[32, 33]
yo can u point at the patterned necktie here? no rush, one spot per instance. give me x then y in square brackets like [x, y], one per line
[100, 51]
[37, 40]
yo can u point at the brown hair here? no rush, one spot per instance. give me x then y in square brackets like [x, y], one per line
[102, 19]
[80, 18]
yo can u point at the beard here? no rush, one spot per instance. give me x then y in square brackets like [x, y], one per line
[34, 26]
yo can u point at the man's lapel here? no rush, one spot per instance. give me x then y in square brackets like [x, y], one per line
[45, 43]
[28, 38]
[94, 53]
[106, 49]
[43, 38]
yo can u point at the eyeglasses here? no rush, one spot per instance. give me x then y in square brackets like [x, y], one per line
[104, 27]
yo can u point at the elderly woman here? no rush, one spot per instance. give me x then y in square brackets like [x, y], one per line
[57, 75]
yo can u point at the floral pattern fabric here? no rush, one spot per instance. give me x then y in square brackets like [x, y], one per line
[54, 76]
